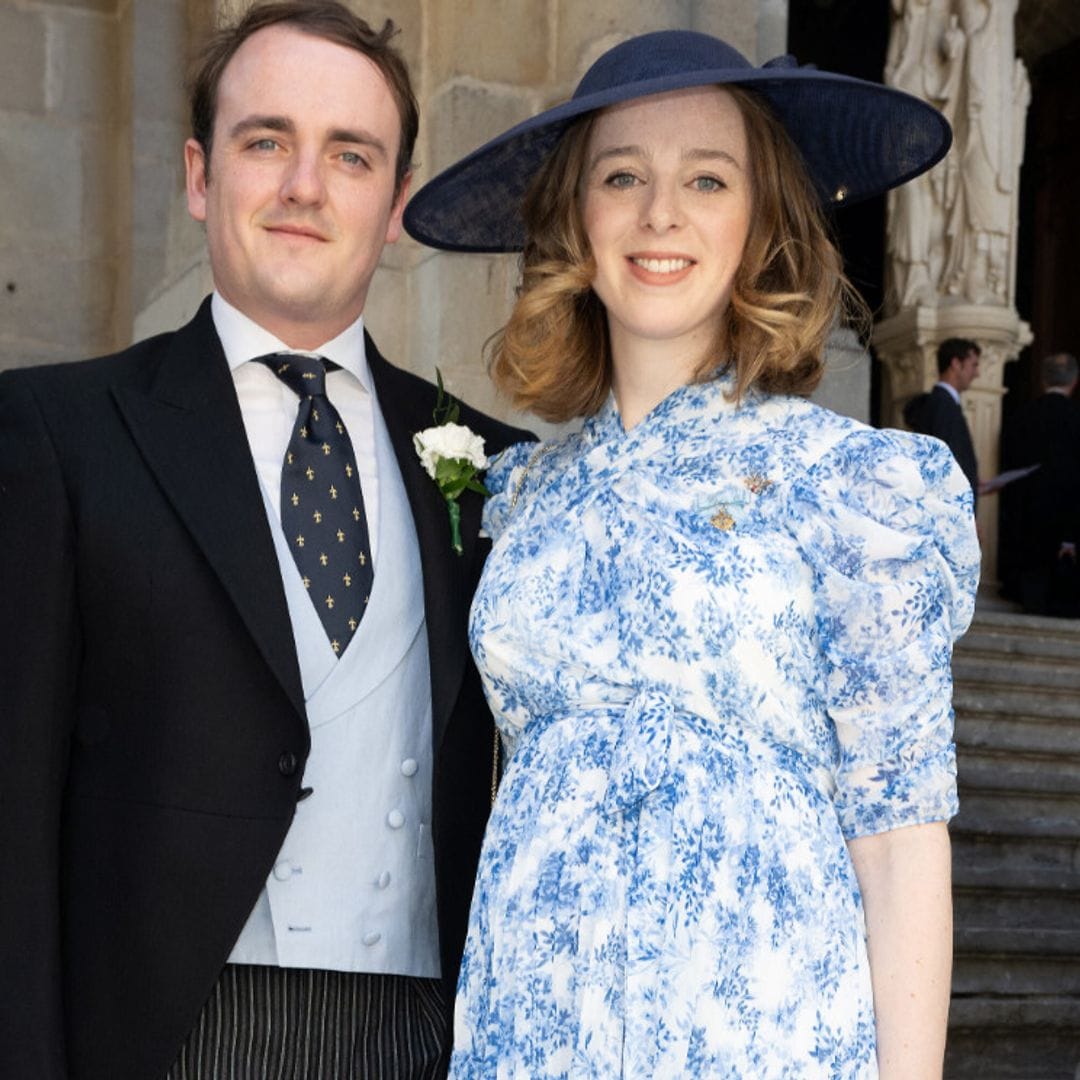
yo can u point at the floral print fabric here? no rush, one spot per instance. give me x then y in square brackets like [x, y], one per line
[717, 647]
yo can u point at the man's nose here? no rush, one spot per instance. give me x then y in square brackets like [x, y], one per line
[303, 182]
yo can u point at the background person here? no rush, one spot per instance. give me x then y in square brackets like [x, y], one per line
[1046, 505]
[716, 623]
[939, 412]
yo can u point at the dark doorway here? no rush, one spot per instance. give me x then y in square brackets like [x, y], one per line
[851, 37]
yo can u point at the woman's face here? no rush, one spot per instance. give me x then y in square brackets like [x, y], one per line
[666, 204]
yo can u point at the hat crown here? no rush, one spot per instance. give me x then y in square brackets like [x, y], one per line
[659, 55]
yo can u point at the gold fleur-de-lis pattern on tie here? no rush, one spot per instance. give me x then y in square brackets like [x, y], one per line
[322, 505]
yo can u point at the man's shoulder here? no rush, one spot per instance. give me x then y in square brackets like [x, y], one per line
[942, 407]
[63, 380]
[133, 365]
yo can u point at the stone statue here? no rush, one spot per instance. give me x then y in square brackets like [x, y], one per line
[952, 231]
[908, 279]
[989, 137]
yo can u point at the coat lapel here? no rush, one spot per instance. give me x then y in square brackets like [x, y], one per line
[190, 431]
[446, 585]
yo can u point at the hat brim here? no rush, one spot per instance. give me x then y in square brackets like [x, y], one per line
[857, 139]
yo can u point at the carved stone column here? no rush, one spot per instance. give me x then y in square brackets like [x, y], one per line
[951, 267]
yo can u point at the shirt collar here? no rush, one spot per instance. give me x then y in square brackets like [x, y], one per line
[952, 391]
[243, 340]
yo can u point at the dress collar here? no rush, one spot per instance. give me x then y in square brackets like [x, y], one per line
[700, 398]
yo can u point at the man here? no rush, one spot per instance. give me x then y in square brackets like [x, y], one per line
[242, 802]
[938, 413]
[1046, 504]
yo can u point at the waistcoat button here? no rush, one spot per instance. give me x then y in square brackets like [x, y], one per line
[287, 763]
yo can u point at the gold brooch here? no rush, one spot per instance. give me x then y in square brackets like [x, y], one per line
[722, 517]
[756, 483]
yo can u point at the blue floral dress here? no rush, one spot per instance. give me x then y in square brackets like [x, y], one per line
[717, 647]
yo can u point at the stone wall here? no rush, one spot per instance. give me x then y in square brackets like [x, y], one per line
[91, 125]
[59, 160]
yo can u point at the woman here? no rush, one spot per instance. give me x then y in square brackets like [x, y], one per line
[716, 623]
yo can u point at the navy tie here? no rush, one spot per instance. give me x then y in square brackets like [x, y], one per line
[322, 505]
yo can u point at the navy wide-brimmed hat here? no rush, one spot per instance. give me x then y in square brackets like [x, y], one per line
[857, 138]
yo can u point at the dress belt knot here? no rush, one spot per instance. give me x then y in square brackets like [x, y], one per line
[639, 762]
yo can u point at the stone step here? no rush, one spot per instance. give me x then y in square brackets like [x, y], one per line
[1001, 925]
[972, 699]
[997, 813]
[1046, 774]
[1017, 1010]
[1024, 863]
[1045, 677]
[1022, 913]
[1030, 1050]
[1046, 639]
[1016, 625]
[1019, 976]
[1014, 733]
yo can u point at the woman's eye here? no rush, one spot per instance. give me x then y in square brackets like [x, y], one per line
[621, 180]
[708, 183]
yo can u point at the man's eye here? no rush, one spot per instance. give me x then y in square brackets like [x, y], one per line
[350, 157]
[264, 144]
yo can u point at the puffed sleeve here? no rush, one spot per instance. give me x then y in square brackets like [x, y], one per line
[504, 478]
[885, 520]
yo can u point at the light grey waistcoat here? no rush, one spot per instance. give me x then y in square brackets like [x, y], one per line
[353, 888]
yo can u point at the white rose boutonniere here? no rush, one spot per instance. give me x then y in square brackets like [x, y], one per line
[453, 456]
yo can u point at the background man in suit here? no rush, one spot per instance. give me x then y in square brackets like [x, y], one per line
[1046, 505]
[248, 761]
[938, 413]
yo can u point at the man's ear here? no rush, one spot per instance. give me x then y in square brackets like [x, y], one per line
[393, 227]
[195, 178]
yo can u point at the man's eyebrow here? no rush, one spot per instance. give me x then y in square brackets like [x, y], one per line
[360, 138]
[261, 123]
[287, 127]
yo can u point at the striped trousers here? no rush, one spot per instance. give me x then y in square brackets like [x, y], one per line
[270, 1023]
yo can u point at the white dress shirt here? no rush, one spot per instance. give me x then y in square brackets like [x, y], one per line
[269, 407]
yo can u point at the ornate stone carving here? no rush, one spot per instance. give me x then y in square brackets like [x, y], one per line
[952, 232]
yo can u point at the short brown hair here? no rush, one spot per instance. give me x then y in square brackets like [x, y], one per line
[325, 19]
[553, 356]
[955, 348]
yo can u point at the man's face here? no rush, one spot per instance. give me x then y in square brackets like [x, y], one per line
[965, 371]
[299, 201]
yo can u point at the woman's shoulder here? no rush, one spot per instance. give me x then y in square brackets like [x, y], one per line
[837, 445]
[880, 505]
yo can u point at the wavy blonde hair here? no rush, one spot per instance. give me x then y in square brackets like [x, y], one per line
[553, 357]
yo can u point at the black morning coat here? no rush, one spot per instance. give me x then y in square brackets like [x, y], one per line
[151, 708]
